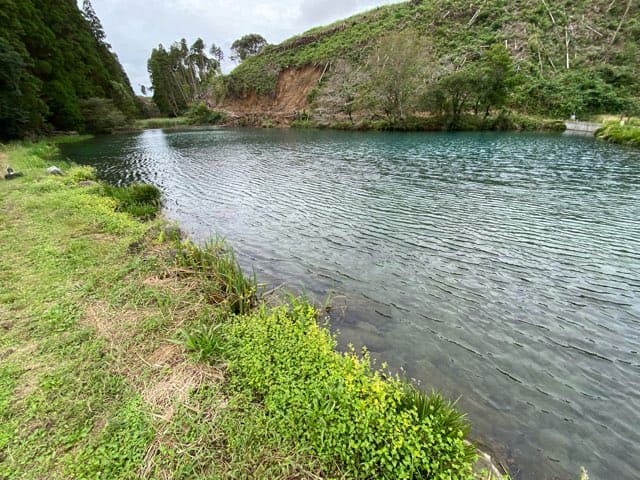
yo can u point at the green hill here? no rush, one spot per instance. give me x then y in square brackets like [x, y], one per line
[56, 69]
[450, 57]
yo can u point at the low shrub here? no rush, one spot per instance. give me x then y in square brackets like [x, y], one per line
[303, 124]
[102, 116]
[358, 422]
[343, 125]
[200, 114]
[617, 132]
[160, 122]
[82, 173]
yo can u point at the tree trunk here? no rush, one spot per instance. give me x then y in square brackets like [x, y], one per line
[615, 34]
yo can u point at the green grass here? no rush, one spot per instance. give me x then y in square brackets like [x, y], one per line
[128, 353]
[149, 123]
[63, 139]
[627, 134]
[142, 201]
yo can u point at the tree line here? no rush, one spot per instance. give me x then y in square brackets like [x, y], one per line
[182, 74]
[57, 72]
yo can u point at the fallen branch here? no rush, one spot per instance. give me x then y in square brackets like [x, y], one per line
[549, 12]
[615, 34]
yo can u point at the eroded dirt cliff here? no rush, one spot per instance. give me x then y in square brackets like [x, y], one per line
[290, 100]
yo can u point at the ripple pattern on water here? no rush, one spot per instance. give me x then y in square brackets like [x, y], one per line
[503, 268]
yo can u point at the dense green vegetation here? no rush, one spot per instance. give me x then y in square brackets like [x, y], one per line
[129, 353]
[620, 132]
[537, 58]
[57, 71]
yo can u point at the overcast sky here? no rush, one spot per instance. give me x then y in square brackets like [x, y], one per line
[135, 27]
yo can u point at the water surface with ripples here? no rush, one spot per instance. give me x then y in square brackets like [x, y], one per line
[503, 269]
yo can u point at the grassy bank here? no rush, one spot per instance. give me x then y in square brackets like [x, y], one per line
[197, 115]
[503, 121]
[625, 134]
[147, 123]
[127, 352]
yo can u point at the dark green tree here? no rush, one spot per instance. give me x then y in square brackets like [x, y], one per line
[451, 94]
[64, 60]
[13, 117]
[247, 46]
[480, 85]
[496, 79]
[94, 22]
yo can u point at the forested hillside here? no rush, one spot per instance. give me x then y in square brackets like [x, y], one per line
[460, 57]
[57, 71]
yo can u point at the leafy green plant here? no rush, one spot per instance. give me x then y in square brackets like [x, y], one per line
[204, 341]
[101, 115]
[337, 405]
[223, 281]
[200, 114]
[79, 174]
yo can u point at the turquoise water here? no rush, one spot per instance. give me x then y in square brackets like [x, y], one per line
[503, 269]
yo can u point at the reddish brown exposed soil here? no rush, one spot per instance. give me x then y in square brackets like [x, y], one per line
[291, 98]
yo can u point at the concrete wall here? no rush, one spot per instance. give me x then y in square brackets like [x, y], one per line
[587, 127]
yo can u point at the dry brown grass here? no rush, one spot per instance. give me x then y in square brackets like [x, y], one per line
[114, 324]
[23, 355]
[161, 372]
[174, 377]
[154, 366]
[4, 161]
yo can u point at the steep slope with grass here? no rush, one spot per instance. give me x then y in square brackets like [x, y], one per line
[127, 352]
[568, 57]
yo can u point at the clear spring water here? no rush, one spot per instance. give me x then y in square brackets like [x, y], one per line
[501, 268]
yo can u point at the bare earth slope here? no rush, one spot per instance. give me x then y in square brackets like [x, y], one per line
[290, 99]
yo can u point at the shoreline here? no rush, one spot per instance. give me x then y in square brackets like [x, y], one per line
[128, 242]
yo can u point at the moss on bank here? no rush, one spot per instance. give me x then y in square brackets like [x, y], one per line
[128, 353]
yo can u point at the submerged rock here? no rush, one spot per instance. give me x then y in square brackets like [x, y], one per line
[53, 170]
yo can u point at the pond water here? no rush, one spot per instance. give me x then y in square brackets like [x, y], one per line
[503, 269]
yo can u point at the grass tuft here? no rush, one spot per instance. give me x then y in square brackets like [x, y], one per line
[223, 281]
[142, 201]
